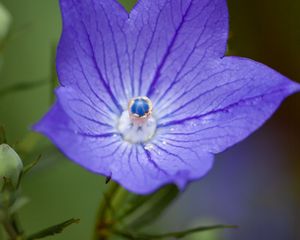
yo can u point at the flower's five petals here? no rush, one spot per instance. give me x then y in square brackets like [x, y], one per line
[172, 52]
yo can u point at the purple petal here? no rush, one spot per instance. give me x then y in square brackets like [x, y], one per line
[144, 168]
[170, 38]
[88, 116]
[85, 149]
[92, 49]
[228, 102]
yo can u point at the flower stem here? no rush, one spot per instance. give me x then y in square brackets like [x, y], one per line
[9, 219]
[10, 230]
[103, 221]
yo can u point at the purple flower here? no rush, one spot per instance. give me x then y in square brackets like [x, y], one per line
[148, 98]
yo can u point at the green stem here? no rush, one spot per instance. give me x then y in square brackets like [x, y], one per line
[12, 228]
[10, 220]
[16, 225]
[13, 235]
[103, 223]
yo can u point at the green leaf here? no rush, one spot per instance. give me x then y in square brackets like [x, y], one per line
[122, 208]
[134, 203]
[193, 230]
[21, 87]
[143, 210]
[53, 230]
[177, 235]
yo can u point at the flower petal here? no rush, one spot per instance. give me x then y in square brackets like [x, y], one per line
[91, 51]
[144, 168]
[225, 105]
[86, 114]
[170, 38]
[90, 151]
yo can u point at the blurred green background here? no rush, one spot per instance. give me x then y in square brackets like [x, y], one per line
[255, 184]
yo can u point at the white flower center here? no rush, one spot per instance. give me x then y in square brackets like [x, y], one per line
[137, 125]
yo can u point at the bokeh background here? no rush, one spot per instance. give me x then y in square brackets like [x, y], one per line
[255, 184]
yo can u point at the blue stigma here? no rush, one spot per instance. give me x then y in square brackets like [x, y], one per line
[140, 107]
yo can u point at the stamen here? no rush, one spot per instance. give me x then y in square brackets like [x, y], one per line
[136, 124]
[140, 109]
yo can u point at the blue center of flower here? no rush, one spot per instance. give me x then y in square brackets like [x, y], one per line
[140, 107]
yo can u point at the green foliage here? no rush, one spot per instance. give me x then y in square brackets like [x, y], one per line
[143, 210]
[56, 229]
[11, 201]
[124, 214]
[177, 235]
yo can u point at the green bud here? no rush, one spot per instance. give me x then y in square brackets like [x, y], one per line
[5, 20]
[11, 165]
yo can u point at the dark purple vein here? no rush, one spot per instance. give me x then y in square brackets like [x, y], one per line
[167, 53]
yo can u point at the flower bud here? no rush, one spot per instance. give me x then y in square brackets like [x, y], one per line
[5, 20]
[10, 165]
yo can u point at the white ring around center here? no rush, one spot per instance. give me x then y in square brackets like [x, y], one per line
[136, 133]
